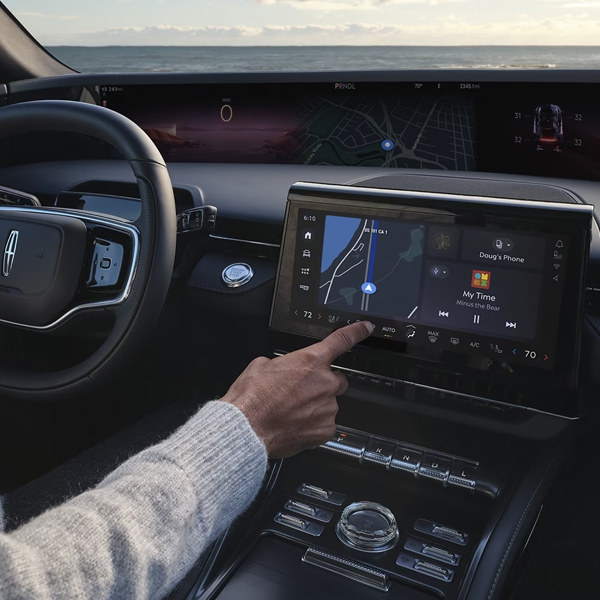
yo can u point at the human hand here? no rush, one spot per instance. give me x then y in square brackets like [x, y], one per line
[290, 401]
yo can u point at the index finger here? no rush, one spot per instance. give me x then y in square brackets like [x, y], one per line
[343, 340]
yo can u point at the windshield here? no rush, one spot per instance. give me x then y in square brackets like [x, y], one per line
[307, 35]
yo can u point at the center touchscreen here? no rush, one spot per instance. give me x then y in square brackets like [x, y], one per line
[432, 281]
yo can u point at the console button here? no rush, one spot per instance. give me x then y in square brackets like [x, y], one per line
[463, 474]
[449, 534]
[300, 524]
[291, 520]
[434, 570]
[442, 555]
[441, 531]
[347, 444]
[237, 275]
[424, 567]
[426, 549]
[435, 467]
[319, 493]
[405, 459]
[319, 514]
[379, 452]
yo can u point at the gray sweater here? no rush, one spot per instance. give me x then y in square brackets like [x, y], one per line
[142, 528]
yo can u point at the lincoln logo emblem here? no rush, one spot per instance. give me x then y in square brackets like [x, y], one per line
[9, 252]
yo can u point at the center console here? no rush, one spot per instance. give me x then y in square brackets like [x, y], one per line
[478, 305]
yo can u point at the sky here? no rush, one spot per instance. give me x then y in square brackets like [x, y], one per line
[310, 22]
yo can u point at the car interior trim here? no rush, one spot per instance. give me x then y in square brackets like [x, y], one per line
[229, 239]
[324, 188]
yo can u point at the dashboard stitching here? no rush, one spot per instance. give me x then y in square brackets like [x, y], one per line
[518, 527]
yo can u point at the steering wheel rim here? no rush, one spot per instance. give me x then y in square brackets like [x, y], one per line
[136, 314]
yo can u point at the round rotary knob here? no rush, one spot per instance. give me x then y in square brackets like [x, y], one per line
[368, 526]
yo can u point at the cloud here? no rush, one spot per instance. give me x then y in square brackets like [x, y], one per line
[329, 5]
[451, 31]
[36, 15]
[576, 3]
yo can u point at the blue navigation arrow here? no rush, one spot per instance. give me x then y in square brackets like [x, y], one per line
[368, 287]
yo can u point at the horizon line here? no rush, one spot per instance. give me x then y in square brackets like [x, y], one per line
[321, 45]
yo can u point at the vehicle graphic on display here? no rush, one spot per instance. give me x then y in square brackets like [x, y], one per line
[548, 131]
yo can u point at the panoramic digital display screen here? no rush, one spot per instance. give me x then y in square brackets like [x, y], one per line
[541, 129]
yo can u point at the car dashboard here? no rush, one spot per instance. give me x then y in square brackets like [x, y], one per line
[453, 209]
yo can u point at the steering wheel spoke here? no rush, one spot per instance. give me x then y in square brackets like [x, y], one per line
[109, 267]
[58, 263]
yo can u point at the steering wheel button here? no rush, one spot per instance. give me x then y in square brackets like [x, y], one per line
[195, 219]
[105, 267]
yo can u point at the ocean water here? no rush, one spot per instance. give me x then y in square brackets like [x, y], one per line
[169, 59]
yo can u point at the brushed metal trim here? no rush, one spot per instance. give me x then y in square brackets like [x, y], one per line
[346, 567]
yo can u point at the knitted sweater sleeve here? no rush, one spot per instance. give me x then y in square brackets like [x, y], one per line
[142, 528]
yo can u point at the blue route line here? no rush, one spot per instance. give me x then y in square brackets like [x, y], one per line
[373, 246]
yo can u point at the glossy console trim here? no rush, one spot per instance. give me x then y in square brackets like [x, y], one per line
[392, 380]
[475, 482]
[347, 568]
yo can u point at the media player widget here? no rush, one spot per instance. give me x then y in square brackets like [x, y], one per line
[499, 301]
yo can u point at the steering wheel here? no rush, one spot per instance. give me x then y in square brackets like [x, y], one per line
[57, 264]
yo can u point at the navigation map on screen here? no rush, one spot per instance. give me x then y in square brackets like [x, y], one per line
[371, 266]
[410, 131]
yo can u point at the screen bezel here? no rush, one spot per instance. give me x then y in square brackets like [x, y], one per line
[544, 217]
